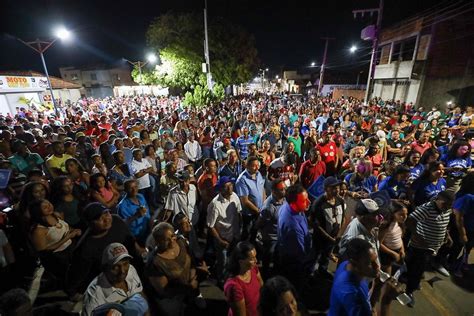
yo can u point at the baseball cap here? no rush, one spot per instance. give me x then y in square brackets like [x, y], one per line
[223, 180]
[182, 175]
[331, 182]
[113, 253]
[381, 134]
[80, 134]
[366, 207]
[93, 211]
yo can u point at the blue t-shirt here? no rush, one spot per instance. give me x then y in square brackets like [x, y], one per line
[366, 184]
[252, 188]
[465, 206]
[415, 172]
[349, 296]
[395, 189]
[461, 163]
[294, 239]
[126, 208]
[426, 190]
[242, 144]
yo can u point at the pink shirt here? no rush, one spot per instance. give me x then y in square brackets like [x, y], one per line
[235, 290]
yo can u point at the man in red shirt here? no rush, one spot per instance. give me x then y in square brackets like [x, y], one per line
[328, 150]
[422, 144]
[312, 168]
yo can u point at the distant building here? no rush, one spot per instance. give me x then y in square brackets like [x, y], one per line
[30, 89]
[98, 82]
[428, 59]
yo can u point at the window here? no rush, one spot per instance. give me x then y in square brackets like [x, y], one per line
[93, 76]
[396, 51]
[408, 49]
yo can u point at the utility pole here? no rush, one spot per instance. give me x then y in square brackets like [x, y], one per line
[323, 65]
[375, 40]
[40, 47]
[206, 50]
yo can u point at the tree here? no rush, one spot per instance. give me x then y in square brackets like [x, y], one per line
[179, 39]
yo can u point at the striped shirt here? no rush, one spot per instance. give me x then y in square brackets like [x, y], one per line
[431, 226]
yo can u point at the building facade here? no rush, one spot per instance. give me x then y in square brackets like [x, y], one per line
[427, 60]
[98, 82]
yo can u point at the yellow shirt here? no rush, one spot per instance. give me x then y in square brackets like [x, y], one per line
[58, 162]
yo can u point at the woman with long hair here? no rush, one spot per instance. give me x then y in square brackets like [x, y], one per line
[430, 155]
[51, 237]
[103, 192]
[429, 184]
[65, 201]
[457, 162]
[412, 161]
[78, 174]
[242, 288]
[361, 182]
[392, 249]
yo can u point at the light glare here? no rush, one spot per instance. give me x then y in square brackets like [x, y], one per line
[63, 34]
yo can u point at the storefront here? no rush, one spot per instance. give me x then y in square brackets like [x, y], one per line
[32, 91]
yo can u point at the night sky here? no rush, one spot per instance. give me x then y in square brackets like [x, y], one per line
[287, 34]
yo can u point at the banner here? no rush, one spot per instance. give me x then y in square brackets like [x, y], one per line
[23, 83]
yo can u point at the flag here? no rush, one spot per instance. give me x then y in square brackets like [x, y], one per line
[316, 189]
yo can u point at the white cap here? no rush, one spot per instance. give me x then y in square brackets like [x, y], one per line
[114, 253]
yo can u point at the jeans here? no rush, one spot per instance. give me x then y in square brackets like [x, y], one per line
[222, 255]
[416, 261]
[268, 254]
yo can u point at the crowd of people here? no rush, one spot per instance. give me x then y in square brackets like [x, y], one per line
[130, 203]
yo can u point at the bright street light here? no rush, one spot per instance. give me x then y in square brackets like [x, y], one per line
[152, 58]
[353, 49]
[313, 64]
[276, 77]
[40, 46]
[266, 69]
[62, 33]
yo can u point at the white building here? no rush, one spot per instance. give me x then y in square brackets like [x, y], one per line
[26, 88]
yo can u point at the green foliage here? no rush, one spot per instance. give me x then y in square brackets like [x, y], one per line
[179, 38]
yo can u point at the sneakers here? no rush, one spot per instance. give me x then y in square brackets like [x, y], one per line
[442, 270]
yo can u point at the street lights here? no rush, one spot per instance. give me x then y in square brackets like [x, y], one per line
[40, 47]
[150, 58]
[263, 78]
[313, 64]
[353, 49]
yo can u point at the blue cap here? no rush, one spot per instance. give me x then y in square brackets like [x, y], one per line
[331, 182]
[223, 180]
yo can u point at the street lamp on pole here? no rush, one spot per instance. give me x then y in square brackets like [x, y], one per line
[263, 78]
[151, 58]
[41, 47]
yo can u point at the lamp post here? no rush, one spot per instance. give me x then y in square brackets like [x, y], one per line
[41, 47]
[151, 58]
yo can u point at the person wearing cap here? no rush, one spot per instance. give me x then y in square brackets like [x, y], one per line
[224, 221]
[104, 228]
[327, 218]
[294, 238]
[23, 160]
[365, 225]
[267, 223]
[117, 282]
[182, 198]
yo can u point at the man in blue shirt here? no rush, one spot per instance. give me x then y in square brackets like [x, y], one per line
[242, 143]
[350, 290]
[133, 209]
[294, 239]
[251, 191]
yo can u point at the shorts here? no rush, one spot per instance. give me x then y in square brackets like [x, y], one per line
[386, 259]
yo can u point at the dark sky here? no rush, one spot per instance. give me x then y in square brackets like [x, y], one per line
[287, 34]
